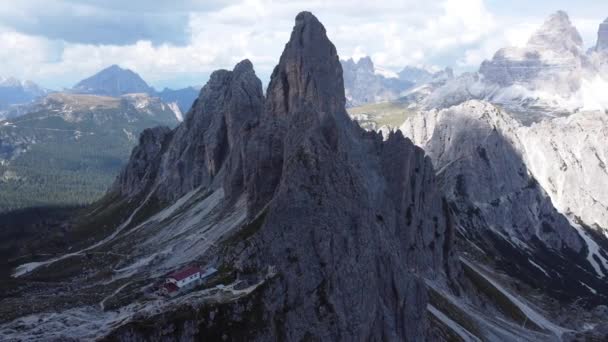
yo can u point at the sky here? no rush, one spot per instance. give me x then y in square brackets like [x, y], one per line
[178, 43]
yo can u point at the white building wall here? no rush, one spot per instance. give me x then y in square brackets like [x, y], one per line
[189, 280]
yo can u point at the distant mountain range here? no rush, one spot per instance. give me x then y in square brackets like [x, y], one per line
[15, 92]
[16, 95]
[116, 81]
[69, 147]
[366, 83]
[551, 75]
[65, 148]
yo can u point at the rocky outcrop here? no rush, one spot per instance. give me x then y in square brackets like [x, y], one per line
[569, 158]
[476, 150]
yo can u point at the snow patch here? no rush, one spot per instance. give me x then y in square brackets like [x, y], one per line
[588, 287]
[538, 266]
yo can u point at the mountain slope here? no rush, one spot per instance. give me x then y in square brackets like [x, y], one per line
[68, 148]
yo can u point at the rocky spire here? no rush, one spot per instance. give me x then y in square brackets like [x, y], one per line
[338, 207]
[602, 37]
[309, 73]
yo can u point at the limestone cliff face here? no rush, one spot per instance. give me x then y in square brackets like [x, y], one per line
[514, 192]
[348, 223]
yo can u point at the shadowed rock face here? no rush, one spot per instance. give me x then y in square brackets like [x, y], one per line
[602, 37]
[309, 73]
[143, 165]
[348, 222]
[199, 147]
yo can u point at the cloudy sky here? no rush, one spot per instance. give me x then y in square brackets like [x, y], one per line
[178, 43]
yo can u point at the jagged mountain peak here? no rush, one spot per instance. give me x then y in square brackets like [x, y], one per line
[309, 72]
[366, 62]
[244, 66]
[557, 33]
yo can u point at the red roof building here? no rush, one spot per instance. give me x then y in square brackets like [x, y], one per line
[185, 276]
[185, 273]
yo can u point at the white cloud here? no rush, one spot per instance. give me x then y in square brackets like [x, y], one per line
[458, 33]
